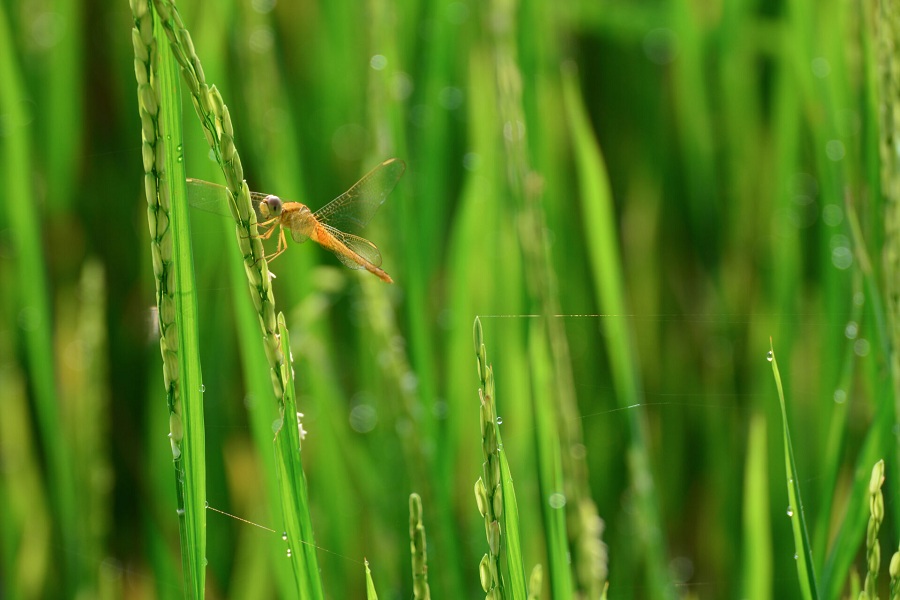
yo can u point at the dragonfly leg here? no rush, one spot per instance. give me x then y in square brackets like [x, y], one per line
[268, 232]
[282, 246]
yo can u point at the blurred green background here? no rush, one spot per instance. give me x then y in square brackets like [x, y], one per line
[740, 140]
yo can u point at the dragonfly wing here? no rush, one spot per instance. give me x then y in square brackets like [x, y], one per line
[353, 209]
[359, 246]
[214, 198]
[298, 236]
[208, 197]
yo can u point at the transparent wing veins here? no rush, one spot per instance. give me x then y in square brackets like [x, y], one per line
[214, 198]
[353, 209]
[360, 246]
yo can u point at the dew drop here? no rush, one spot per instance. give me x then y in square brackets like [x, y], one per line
[180, 512]
[288, 552]
[284, 536]
[842, 256]
[556, 500]
[840, 396]
[499, 420]
[835, 150]
[795, 556]
[820, 67]
[770, 356]
[832, 215]
[790, 511]
[202, 388]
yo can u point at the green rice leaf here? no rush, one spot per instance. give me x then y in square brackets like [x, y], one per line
[805, 566]
[186, 392]
[517, 587]
[370, 585]
[549, 467]
[294, 499]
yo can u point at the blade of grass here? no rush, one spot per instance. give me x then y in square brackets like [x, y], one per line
[370, 585]
[550, 473]
[836, 438]
[525, 186]
[757, 546]
[35, 320]
[606, 267]
[805, 566]
[186, 421]
[261, 411]
[159, 100]
[25, 538]
[86, 413]
[64, 104]
[295, 502]
[515, 565]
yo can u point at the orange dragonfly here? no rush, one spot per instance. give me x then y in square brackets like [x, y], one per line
[352, 210]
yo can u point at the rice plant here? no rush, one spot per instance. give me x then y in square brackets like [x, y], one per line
[632, 200]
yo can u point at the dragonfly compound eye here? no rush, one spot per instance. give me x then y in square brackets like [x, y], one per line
[273, 203]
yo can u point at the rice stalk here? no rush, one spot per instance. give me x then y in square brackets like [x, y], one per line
[535, 582]
[159, 104]
[894, 571]
[873, 548]
[488, 487]
[585, 527]
[216, 120]
[886, 19]
[219, 131]
[418, 550]
[494, 493]
[887, 24]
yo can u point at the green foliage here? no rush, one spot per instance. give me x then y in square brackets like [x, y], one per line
[688, 179]
[795, 511]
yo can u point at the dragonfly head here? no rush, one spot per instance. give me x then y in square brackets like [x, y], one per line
[270, 207]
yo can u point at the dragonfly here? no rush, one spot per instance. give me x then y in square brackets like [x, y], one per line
[330, 226]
